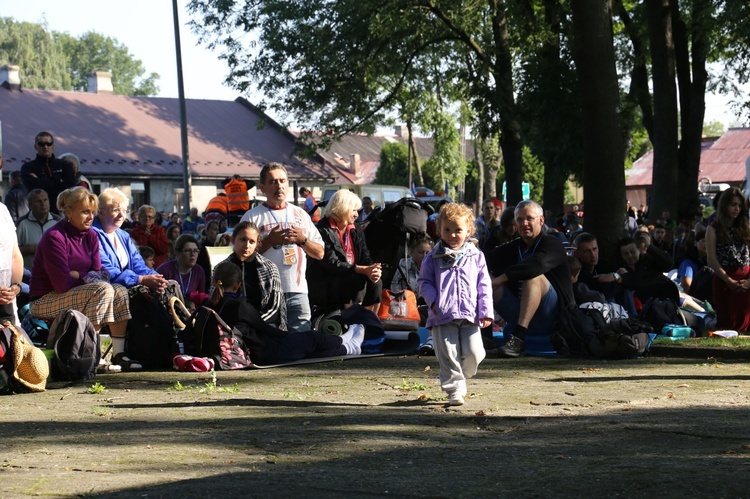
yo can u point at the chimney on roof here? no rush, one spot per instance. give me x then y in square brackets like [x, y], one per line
[402, 131]
[354, 165]
[10, 77]
[100, 82]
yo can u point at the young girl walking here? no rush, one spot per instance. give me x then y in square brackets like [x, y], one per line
[455, 284]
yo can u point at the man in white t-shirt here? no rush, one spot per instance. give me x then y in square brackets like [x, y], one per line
[289, 237]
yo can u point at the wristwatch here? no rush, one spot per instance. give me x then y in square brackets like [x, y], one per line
[616, 276]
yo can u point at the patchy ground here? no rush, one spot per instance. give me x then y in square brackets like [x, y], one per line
[531, 427]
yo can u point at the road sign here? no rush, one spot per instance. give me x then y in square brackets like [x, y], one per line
[525, 191]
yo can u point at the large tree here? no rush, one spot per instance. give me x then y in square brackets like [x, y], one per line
[39, 55]
[338, 67]
[604, 153]
[679, 39]
[93, 51]
[58, 61]
[549, 97]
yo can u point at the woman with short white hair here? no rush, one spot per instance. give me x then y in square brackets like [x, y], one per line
[346, 273]
[119, 254]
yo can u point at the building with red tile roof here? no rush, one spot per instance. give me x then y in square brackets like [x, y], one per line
[723, 160]
[134, 142]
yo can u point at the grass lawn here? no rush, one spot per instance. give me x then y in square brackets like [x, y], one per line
[740, 342]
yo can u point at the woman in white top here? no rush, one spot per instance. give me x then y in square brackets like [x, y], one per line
[11, 267]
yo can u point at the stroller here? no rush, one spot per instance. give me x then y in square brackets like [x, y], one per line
[390, 229]
[388, 233]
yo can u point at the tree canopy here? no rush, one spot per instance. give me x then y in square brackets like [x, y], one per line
[49, 60]
[531, 73]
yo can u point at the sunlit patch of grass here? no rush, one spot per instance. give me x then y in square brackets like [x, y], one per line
[97, 388]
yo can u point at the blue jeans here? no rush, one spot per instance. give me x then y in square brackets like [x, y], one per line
[298, 312]
[509, 307]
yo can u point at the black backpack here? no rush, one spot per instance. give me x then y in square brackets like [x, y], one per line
[622, 339]
[662, 311]
[150, 336]
[576, 328]
[207, 335]
[76, 345]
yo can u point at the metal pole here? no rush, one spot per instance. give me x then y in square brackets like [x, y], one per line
[186, 179]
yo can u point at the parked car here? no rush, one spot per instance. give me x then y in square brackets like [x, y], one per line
[380, 194]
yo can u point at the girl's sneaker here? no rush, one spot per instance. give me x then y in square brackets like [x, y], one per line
[455, 398]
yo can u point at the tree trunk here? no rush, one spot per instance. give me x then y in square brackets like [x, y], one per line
[604, 153]
[480, 175]
[510, 131]
[663, 202]
[555, 171]
[413, 155]
[692, 98]
[491, 175]
[639, 92]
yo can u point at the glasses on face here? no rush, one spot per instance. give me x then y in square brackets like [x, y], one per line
[190, 251]
[45, 144]
[117, 211]
[149, 217]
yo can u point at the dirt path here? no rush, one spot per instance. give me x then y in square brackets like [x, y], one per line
[531, 427]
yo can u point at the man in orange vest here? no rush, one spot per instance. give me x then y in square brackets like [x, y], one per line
[238, 200]
[217, 208]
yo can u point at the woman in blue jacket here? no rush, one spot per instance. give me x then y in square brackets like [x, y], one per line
[119, 254]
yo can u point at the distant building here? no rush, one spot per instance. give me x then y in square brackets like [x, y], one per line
[722, 161]
[134, 142]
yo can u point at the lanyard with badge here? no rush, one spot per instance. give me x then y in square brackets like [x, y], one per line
[289, 250]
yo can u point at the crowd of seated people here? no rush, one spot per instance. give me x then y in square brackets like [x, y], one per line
[88, 255]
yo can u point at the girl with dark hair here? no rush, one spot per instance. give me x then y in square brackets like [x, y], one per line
[261, 282]
[728, 254]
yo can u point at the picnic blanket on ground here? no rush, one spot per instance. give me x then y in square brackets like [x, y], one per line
[396, 343]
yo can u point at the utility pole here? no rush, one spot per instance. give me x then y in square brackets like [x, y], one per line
[186, 177]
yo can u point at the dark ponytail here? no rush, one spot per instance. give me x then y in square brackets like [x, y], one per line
[226, 274]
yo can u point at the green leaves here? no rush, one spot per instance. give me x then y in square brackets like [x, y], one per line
[58, 61]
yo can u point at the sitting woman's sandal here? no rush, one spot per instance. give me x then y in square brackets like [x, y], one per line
[105, 367]
[126, 363]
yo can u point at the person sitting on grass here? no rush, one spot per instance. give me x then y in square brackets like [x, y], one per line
[148, 254]
[582, 292]
[185, 271]
[532, 280]
[267, 344]
[261, 281]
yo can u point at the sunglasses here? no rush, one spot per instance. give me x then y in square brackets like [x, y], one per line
[45, 144]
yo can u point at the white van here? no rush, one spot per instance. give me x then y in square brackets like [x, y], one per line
[380, 194]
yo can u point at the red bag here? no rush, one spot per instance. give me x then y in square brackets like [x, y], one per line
[398, 310]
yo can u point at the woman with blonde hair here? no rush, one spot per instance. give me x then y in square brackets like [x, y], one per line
[346, 273]
[68, 273]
